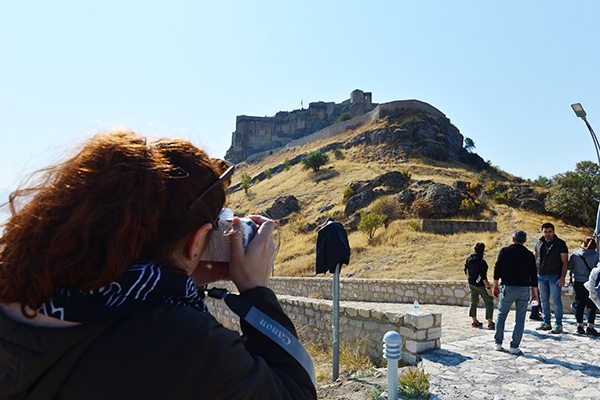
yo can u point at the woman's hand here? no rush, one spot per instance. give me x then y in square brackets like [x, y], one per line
[251, 267]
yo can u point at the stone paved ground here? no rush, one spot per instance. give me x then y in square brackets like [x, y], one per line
[565, 366]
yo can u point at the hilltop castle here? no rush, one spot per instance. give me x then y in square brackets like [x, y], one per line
[255, 136]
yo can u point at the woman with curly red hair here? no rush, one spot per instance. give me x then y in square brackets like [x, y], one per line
[99, 266]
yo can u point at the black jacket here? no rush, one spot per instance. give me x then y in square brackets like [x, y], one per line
[550, 263]
[167, 352]
[515, 266]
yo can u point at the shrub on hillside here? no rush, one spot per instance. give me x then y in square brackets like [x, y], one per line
[315, 160]
[422, 208]
[246, 182]
[344, 117]
[437, 153]
[504, 198]
[494, 187]
[468, 208]
[268, 173]
[369, 223]
[542, 181]
[388, 206]
[472, 187]
[337, 153]
[348, 192]
[406, 175]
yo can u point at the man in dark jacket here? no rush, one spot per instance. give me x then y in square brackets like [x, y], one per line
[516, 268]
[551, 260]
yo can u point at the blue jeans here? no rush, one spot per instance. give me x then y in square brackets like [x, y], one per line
[509, 295]
[550, 291]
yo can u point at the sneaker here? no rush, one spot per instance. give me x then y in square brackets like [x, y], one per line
[543, 327]
[515, 350]
[557, 329]
[580, 330]
[492, 326]
[476, 324]
[590, 331]
[536, 317]
[498, 347]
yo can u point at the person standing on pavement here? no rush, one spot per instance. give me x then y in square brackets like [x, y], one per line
[581, 263]
[551, 259]
[515, 268]
[476, 271]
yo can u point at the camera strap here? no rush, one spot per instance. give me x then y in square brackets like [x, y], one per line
[268, 327]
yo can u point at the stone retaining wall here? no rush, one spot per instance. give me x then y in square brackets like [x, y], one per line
[444, 227]
[368, 309]
[386, 290]
[362, 325]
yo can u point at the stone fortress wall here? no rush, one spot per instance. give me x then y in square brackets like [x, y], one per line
[381, 111]
[368, 309]
[260, 134]
[257, 137]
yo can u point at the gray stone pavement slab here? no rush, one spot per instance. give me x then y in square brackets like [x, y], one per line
[552, 366]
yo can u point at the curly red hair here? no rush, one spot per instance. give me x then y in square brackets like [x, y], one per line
[120, 199]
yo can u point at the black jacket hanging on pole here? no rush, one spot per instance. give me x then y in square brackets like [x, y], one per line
[332, 247]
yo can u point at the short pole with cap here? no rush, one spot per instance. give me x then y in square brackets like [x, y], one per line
[392, 352]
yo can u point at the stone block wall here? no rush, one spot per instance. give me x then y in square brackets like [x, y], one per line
[376, 290]
[454, 293]
[444, 227]
[362, 325]
[368, 309]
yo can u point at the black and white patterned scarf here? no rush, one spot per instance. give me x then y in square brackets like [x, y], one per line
[139, 288]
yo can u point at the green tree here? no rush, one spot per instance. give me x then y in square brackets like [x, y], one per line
[344, 117]
[469, 144]
[337, 153]
[542, 181]
[246, 182]
[574, 194]
[315, 160]
[369, 223]
[268, 173]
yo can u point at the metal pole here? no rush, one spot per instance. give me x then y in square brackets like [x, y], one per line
[580, 112]
[335, 321]
[597, 146]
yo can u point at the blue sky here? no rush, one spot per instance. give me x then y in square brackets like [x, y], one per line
[505, 73]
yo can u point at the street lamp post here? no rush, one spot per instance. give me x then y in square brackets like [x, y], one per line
[580, 112]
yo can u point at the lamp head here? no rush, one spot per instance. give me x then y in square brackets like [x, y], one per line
[579, 111]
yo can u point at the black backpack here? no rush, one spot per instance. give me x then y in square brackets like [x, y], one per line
[473, 267]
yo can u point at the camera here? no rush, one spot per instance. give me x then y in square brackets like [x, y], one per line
[217, 249]
[249, 229]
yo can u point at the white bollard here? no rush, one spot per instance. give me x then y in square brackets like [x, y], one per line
[392, 352]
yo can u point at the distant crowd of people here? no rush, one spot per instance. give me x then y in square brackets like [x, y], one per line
[534, 279]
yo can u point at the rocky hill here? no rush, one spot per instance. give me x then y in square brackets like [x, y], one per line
[409, 165]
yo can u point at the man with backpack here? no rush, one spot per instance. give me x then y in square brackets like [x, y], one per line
[476, 271]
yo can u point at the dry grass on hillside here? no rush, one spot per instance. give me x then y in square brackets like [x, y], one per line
[399, 251]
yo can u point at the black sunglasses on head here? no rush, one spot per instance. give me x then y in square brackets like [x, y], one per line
[224, 176]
